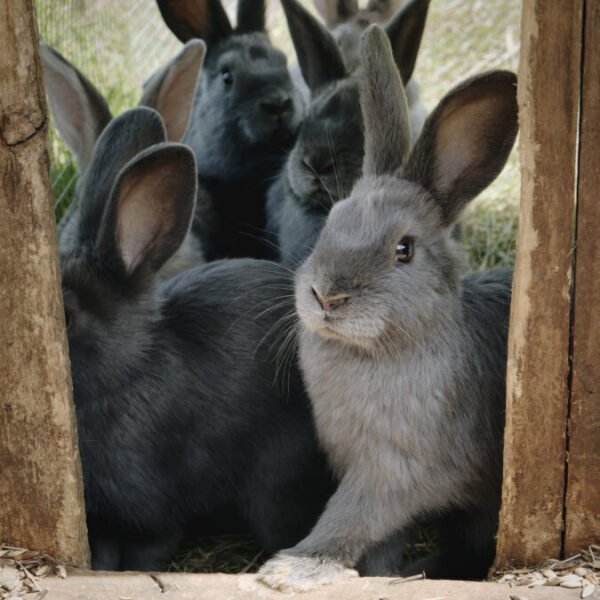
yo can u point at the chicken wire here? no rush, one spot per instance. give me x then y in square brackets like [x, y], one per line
[118, 45]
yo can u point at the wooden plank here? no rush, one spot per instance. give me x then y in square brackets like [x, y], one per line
[169, 586]
[41, 492]
[583, 483]
[531, 517]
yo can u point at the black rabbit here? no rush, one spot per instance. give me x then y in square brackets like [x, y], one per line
[327, 157]
[183, 409]
[245, 119]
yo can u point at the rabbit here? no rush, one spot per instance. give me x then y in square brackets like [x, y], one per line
[347, 21]
[327, 157]
[404, 357]
[81, 113]
[244, 121]
[181, 412]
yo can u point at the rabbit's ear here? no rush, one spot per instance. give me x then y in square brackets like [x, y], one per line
[187, 19]
[124, 137]
[150, 210]
[318, 54]
[171, 90]
[384, 106]
[466, 141]
[79, 110]
[405, 31]
[336, 11]
[251, 16]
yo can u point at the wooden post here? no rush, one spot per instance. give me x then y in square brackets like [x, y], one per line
[41, 493]
[583, 482]
[531, 518]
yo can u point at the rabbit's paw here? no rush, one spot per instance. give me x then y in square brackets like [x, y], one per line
[289, 573]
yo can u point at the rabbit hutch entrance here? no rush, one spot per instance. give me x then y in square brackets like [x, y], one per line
[551, 484]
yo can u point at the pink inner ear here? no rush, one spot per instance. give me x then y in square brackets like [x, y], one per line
[460, 140]
[73, 116]
[142, 218]
[177, 96]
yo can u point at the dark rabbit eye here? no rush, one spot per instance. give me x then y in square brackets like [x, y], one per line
[404, 250]
[226, 76]
[327, 168]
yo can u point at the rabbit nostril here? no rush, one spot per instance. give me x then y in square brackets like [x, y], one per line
[277, 108]
[317, 296]
[329, 303]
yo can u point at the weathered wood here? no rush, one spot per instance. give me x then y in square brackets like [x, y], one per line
[41, 495]
[531, 517]
[179, 586]
[583, 483]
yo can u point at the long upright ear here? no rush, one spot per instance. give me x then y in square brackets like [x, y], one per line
[171, 90]
[250, 16]
[187, 19]
[336, 11]
[405, 31]
[125, 136]
[79, 109]
[384, 106]
[318, 54]
[150, 210]
[466, 141]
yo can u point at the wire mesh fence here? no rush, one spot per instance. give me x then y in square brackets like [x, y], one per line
[119, 45]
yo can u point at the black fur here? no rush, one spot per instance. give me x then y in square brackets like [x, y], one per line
[185, 407]
[244, 121]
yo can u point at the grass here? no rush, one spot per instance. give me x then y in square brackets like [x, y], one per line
[118, 49]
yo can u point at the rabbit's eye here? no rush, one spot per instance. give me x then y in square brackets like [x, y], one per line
[327, 168]
[226, 76]
[404, 250]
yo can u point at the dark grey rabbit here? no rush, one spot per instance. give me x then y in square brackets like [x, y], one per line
[327, 157]
[81, 114]
[182, 416]
[404, 358]
[347, 21]
[244, 121]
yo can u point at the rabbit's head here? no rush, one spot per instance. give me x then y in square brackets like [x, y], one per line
[347, 21]
[246, 98]
[385, 270]
[327, 157]
[81, 113]
[136, 204]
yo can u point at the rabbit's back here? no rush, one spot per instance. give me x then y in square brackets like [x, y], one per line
[211, 415]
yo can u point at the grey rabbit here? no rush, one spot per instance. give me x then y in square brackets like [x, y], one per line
[404, 358]
[81, 114]
[244, 121]
[185, 420]
[327, 157]
[347, 21]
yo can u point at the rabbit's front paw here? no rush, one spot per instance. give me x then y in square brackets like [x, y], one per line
[289, 573]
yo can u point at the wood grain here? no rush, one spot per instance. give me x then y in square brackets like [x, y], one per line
[583, 484]
[41, 493]
[531, 517]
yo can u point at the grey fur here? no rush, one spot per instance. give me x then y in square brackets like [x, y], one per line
[327, 158]
[406, 374]
[347, 22]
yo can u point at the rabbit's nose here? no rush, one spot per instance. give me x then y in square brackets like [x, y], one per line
[329, 303]
[277, 107]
